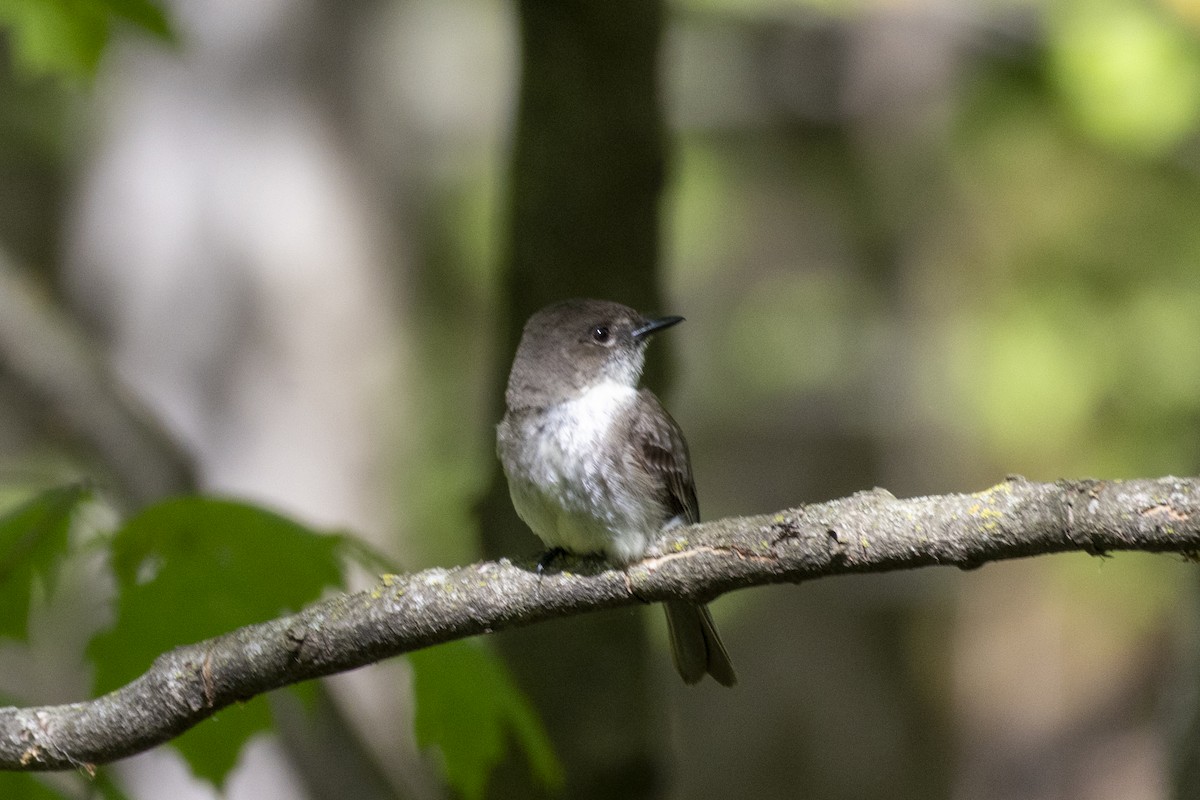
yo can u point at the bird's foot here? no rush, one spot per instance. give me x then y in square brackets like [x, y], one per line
[548, 558]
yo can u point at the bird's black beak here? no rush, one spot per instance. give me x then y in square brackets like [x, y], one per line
[652, 325]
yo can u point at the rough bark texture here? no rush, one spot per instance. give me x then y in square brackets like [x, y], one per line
[869, 532]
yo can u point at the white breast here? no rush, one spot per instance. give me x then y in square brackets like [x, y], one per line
[574, 498]
[579, 426]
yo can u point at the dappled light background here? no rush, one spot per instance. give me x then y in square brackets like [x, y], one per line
[918, 245]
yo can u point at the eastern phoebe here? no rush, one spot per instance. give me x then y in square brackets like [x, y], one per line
[594, 464]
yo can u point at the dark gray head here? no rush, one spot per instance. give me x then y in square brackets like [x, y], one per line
[571, 346]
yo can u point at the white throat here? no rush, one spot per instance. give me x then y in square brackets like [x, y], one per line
[592, 413]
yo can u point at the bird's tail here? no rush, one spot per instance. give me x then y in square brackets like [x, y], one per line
[695, 645]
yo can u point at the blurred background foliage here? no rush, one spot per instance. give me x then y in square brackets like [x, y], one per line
[919, 245]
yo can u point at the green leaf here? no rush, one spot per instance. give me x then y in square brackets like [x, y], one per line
[106, 787]
[55, 36]
[191, 568]
[28, 786]
[67, 37]
[24, 786]
[213, 747]
[466, 705]
[34, 539]
[145, 14]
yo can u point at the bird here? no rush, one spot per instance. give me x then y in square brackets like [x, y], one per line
[596, 465]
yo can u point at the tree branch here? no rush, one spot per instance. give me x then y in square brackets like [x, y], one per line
[869, 532]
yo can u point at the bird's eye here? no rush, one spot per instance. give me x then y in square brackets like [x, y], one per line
[600, 334]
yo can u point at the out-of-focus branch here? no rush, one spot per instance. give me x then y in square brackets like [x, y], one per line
[869, 532]
[48, 356]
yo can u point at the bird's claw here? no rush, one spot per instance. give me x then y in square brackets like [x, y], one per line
[548, 558]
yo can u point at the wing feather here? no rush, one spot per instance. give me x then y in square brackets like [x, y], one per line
[661, 452]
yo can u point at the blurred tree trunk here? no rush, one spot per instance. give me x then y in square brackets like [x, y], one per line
[587, 169]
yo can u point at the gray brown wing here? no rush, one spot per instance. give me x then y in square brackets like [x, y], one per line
[661, 451]
[662, 455]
